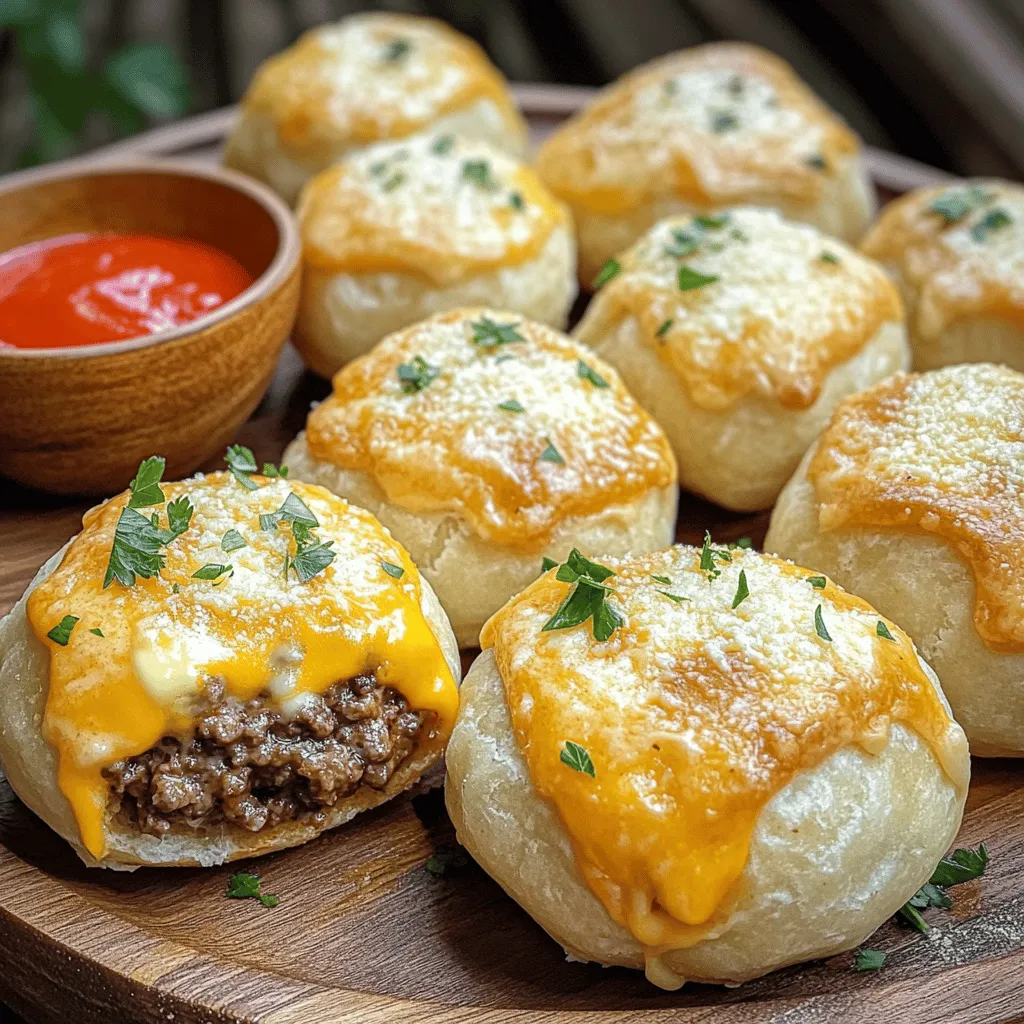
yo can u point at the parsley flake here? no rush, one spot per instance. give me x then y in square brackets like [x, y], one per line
[742, 591]
[586, 599]
[232, 541]
[883, 631]
[689, 279]
[829, 257]
[294, 510]
[577, 758]
[212, 571]
[97, 631]
[677, 598]
[515, 200]
[683, 244]
[818, 582]
[662, 579]
[584, 372]
[708, 554]
[914, 918]
[442, 144]
[724, 122]
[992, 221]
[511, 405]
[489, 334]
[868, 960]
[311, 555]
[135, 551]
[711, 222]
[246, 886]
[547, 563]
[415, 376]
[664, 329]
[479, 173]
[269, 469]
[394, 181]
[962, 865]
[396, 50]
[606, 273]
[745, 543]
[242, 464]
[392, 570]
[817, 161]
[954, 205]
[551, 454]
[145, 486]
[61, 633]
[819, 625]
[311, 558]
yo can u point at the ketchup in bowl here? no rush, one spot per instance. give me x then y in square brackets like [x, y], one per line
[88, 289]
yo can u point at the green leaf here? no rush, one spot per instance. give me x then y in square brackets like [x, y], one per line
[690, 279]
[551, 454]
[868, 959]
[913, 917]
[606, 273]
[489, 334]
[954, 205]
[442, 144]
[584, 372]
[817, 161]
[662, 579]
[711, 222]
[145, 486]
[515, 200]
[211, 571]
[577, 758]
[97, 631]
[417, 375]
[745, 543]
[829, 257]
[309, 561]
[396, 50]
[818, 582]
[150, 78]
[724, 122]
[883, 631]
[232, 541]
[393, 570]
[677, 598]
[664, 328]
[742, 593]
[580, 565]
[708, 554]
[294, 510]
[245, 886]
[547, 563]
[606, 621]
[511, 405]
[242, 464]
[393, 182]
[61, 633]
[135, 551]
[819, 625]
[962, 865]
[269, 469]
[587, 598]
[930, 895]
[479, 173]
[992, 221]
[683, 244]
[579, 605]
[179, 517]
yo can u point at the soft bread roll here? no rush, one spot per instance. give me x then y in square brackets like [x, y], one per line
[363, 79]
[712, 126]
[69, 713]
[407, 229]
[760, 796]
[486, 442]
[740, 332]
[957, 254]
[914, 497]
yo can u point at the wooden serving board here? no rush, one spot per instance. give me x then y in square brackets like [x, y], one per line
[364, 933]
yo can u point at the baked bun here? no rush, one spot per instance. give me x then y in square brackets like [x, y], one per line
[717, 790]
[914, 498]
[406, 229]
[122, 704]
[740, 332]
[486, 443]
[716, 125]
[957, 254]
[363, 79]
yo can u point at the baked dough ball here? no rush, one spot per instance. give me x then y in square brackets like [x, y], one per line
[740, 332]
[407, 229]
[957, 254]
[363, 79]
[716, 125]
[486, 443]
[717, 790]
[149, 713]
[914, 498]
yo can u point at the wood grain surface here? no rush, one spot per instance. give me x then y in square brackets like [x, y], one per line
[364, 934]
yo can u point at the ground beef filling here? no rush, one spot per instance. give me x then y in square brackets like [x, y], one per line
[249, 766]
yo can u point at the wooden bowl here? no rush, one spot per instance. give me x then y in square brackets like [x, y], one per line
[79, 420]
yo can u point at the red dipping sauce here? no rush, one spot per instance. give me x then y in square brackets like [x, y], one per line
[89, 289]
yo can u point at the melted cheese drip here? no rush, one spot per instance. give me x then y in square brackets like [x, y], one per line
[336, 84]
[949, 273]
[406, 207]
[939, 453]
[695, 715]
[775, 323]
[652, 135]
[449, 447]
[115, 696]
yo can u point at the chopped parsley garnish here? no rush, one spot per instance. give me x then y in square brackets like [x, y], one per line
[232, 541]
[245, 886]
[819, 625]
[577, 758]
[547, 563]
[962, 865]
[479, 173]
[97, 631]
[735, 85]
[442, 144]
[742, 591]
[212, 571]
[708, 554]
[242, 464]
[818, 582]
[683, 244]
[415, 376]
[551, 454]
[868, 959]
[724, 122]
[677, 598]
[393, 181]
[378, 168]
[311, 555]
[745, 543]
[488, 334]
[956, 204]
[817, 161]
[883, 631]
[396, 50]
[711, 222]
[662, 579]
[664, 328]
[511, 405]
[145, 486]
[438, 864]
[992, 221]
[689, 279]
[606, 273]
[515, 200]
[914, 918]
[584, 372]
[586, 599]
[294, 510]
[61, 633]
[392, 570]
[269, 469]
[179, 516]
[829, 257]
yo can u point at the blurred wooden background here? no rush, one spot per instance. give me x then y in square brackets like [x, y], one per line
[938, 80]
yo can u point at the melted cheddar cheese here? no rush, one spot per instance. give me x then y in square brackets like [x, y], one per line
[713, 125]
[967, 261]
[695, 715]
[258, 630]
[441, 208]
[576, 448]
[371, 77]
[776, 319]
[939, 453]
